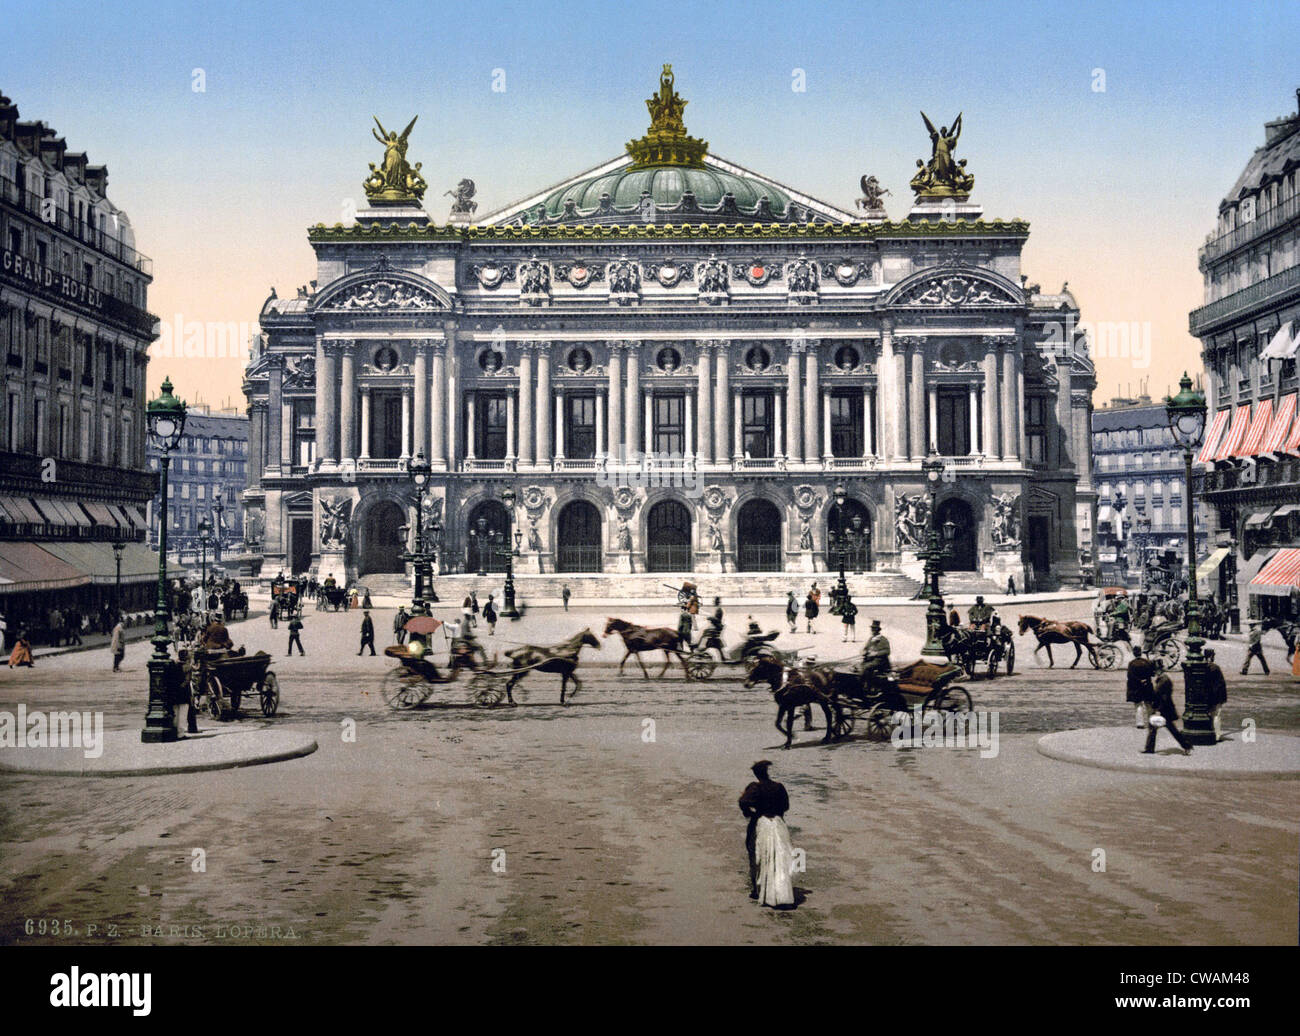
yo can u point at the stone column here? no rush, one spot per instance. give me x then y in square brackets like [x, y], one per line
[286, 436]
[559, 424]
[992, 447]
[722, 450]
[826, 425]
[632, 402]
[887, 393]
[365, 424]
[616, 400]
[688, 445]
[406, 422]
[322, 378]
[1021, 448]
[510, 426]
[916, 406]
[933, 437]
[737, 435]
[793, 410]
[348, 400]
[704, 390]
[897, 407]
[454, 411]
[600, 425]
[527, 423]
[1010, 429]
[868, 429]
[438, 418]
[811, 391]
[543, 413]
[648, 410]
[274, 414]
[332, 452]
[974, 420]
[777, 428]
[256, 442]
[420, 392]
[470, 439]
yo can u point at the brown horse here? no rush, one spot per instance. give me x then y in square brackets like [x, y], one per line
[561, 658]
[645, 638]
[1050, 631]
[794, 688]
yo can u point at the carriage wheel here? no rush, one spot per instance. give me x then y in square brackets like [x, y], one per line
[487, 689]
[270, 692]
[214, 692]
[953, 699]
[1107, 656]
[700, 667]
[880, 723]
[1010, 658]
[397, 691]
[1167, 654]
[993, 662]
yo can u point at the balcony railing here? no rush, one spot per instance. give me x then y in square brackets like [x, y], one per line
[1268, 220]
[482, 464]
[1239, 303]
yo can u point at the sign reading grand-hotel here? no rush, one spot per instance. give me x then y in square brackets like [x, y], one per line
[43, 278]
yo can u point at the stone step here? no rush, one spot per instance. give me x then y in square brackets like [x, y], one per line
[660, 586]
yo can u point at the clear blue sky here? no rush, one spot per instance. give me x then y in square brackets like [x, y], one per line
[1120, 187]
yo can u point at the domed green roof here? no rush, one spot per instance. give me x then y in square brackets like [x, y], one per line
[617, 197]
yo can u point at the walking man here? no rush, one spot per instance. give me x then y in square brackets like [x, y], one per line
[848, 615]
[490, 616]
[1141, 671]
[275, 614]
[792, 612]
[767, 840]
[367, 634]
[684, 626]
[1218, 688]
[1011, 586]
[811, 606]
[399, 624]
[1255, 650]
[565, 594]
[295, 627]
[118, 645]
[1166, 716]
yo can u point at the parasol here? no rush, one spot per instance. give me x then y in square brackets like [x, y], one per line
[423, 624]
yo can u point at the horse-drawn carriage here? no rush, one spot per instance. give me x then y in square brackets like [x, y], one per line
[974, 646]
[335, 598]
[288, 600]
[235, 602]
[700, 665]
[219, 680]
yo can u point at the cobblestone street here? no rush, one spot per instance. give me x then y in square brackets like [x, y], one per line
[568, 824]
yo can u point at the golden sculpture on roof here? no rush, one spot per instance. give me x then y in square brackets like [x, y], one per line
[396, 180]
[943, 176]
[666, 141]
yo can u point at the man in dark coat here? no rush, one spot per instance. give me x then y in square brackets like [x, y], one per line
[684, 625]
[762, 798]
[1163, 706]
[1141, 671]
[295, 637]
[1255, 649]
[367, 634]
[1218, 688]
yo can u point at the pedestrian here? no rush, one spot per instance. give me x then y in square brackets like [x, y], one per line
[1218, 691]
[767, 840]
[367, 634]
[275, 614]
[1141, 671]
[810, 607]
[473, 601]
[684, 626]
[954, 617]
[118, 645]
[468, 621]
[365, 603]
[4, 632]
[1166, 716]
[848, 616]
[56, 627]
[1255, 650]
[875, 656]
[490, 616]
[399, 624]
[74, 626]
[1011, 585]
[295, 626]
[22, 652]
[565, 594]
[792, 612]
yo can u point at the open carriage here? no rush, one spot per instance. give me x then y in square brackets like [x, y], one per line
[993, 648]
[335, 598]
[418, 678]
[921, 683]
[220, 680]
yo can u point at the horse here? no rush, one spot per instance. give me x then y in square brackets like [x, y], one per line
[1049, 632]
[561, 658]
[794, 688]
[1286, 629]
[645, 638]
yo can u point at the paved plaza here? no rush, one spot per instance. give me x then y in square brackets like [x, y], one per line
[614, 820]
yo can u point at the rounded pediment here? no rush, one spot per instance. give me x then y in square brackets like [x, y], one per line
[955, 286]
[382, 289]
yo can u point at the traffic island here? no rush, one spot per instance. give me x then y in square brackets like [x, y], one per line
[1267, 757]
[122, 754]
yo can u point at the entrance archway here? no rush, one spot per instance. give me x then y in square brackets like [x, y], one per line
[578, 541]
[485, 542]
[381, 544]
[858, 553]
[964, 549]
[758, 537]
[668, 537]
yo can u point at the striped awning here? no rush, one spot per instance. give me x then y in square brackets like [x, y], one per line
[1213, 436]
[1259, 427]
[1208, 567]
[1282, 419]
[20, 509]
[1292, 444]
[1259, 519]
[1281, 571]
[1236, 434]
[1283, 344]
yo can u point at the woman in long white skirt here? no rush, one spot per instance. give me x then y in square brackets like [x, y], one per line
[775, 862]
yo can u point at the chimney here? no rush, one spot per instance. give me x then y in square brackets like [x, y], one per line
[97, 179]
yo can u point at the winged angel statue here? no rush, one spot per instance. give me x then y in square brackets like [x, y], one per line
[943, 175]
[396, 179]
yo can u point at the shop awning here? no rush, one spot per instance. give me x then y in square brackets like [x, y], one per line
[20, 509]
[1280, 573]
[1211, 564]
[26, 567]
[1277, 433]
[1231, 444]
[1281, 346]
[101, 514]
[139, 563]
[1292, 444]
[1213, 436]
[1259, 427]
[1258, 519]
[1284, 510]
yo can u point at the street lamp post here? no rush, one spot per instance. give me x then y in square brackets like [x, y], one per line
[841, 536]
[166, 417]
[1186, 414]
[220, 508]
[1228, 583]
[419, 470]
[431, 553]
[509, 611]
[933, 556]
[1144, 548]
[118, 549]
[482, 546]
[205, 538]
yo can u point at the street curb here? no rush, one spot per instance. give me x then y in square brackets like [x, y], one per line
[210, 750]
[1118, 748]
